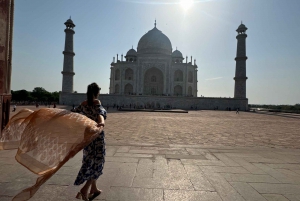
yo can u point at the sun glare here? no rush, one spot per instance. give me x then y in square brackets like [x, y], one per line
[186, 4]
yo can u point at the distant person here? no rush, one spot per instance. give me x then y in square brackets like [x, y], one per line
[54, 105]
[237, 110]
[15, 107]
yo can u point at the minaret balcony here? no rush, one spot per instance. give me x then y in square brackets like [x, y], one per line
[240, 58]
[67, 73]
[68, 53]
[70, 31]
[243, 35]
[240, 78]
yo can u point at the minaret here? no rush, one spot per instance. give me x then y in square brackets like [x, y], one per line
[68, 69]
[240, 69]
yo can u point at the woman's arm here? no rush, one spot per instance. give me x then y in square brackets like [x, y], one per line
[101, 121]
[102, 114]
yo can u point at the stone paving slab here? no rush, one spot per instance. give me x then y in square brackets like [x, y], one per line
[180, 195]
[179, 156]
[200, 155]
[196, 176]
[249, 178]
[223, 188]
[275, 197]
[276, 188]
[247, 192]
[248, 166]
[292, 197]
[203, 162]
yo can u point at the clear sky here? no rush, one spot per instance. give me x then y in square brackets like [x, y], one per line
[205, 30]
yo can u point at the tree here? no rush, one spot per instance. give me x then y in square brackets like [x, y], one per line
[55, 96]
[40, 94]
[20, 95]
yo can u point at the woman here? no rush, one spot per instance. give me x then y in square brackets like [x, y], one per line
[94, 153]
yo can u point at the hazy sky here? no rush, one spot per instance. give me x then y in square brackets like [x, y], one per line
[205, 31]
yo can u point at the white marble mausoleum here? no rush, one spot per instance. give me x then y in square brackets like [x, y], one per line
[156, 76]
[153, 69]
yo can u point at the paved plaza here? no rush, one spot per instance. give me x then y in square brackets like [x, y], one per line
[200, 155]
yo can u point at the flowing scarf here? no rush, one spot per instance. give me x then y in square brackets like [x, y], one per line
[46, 139]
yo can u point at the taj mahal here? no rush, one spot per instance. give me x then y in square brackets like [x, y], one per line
[154, 69]
[154, 76]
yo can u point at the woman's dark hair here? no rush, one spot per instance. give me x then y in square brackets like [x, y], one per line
[92, 90]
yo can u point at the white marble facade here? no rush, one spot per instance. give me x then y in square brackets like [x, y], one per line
[153, 70]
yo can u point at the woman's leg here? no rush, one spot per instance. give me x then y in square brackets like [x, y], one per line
[85, 189]
[94, 188]
[99, 160]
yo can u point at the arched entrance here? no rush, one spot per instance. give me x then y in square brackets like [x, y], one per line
[117, 89]
[128, 89]
[190, 78]
[153, 82]
[178, 90]
[117, 74]
[190, 91]
[178, 76]
[129, 74]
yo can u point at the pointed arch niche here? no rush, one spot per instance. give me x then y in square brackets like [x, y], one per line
[178, 90]
[153, 82]
[178, 76]
[117, 89]
[190, 77]
[117, 74]
[128, 89]
[128, 74]
[190, 91]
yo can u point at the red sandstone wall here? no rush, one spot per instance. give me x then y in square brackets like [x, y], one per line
[6, 24]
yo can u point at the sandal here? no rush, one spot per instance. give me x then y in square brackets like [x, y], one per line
[80, 196]
[94, 195]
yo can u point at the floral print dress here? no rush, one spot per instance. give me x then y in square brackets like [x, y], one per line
[94, 153]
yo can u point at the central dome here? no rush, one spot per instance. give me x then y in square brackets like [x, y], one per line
[154, 42]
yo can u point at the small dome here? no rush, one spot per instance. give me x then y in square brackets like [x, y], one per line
[241, 28]
[154, 42]
[69, 23]
[177, 53]
[131, 52]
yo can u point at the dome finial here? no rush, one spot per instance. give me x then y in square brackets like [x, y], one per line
[242, 22]
[155, 23]
[132, 47]
[176, 47]
[70, 17]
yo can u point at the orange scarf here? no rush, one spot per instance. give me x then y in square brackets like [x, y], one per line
[46, 139]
